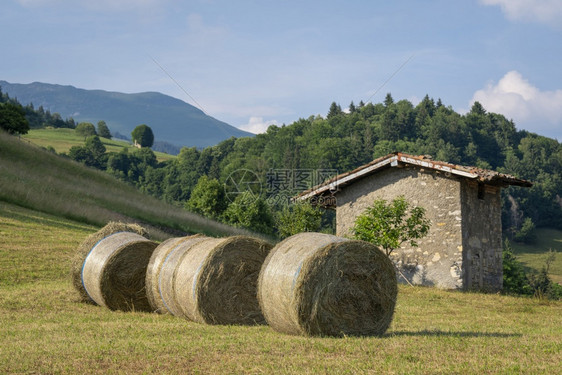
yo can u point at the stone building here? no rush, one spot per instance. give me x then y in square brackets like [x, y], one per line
[463, 249]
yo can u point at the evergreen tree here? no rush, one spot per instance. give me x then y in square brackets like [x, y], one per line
[335, 110]
[103, 130]
[12, 119]
[388, 101]
[94, 145]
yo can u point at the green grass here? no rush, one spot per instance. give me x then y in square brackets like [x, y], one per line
[34, 178]
[533, 256]
[62, 140]
[45, 330]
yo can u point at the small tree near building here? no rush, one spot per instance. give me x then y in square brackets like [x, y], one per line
[390, 225]
[142, 135]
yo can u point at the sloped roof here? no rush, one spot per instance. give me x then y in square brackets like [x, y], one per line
[423, 162]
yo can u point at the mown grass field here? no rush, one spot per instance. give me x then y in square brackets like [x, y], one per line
[63, 139]
[45, 330]
[534, 256]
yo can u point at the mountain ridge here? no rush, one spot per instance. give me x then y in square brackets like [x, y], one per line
[172, 120]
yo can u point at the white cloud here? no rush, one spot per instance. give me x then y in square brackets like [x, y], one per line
[257, 125]
[543, 11]
[530, 108]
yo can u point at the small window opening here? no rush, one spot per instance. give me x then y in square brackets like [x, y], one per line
[480, 191]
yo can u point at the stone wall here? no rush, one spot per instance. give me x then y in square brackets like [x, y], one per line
[482, 241]
[438, 260]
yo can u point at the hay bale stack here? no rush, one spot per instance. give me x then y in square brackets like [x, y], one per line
[153, 271]
[163, 287]
[114, 272]
[86, 246]
[216, 281]
[321, 285]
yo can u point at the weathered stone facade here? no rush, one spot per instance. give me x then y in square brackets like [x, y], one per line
[463, 247]
[481, 236]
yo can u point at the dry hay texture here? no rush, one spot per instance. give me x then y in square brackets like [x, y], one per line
[109, 267]
[161, 273]
[153, 272]
[214, 280]
[317, 284]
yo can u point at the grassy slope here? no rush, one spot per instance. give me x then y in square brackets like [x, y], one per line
[34, 178]
[63, 139]
[533, 256]
[44, 329]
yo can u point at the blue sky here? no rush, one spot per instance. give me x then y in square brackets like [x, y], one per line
[256, 63]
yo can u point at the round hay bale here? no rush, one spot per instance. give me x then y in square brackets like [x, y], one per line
[317, 284]
[86, 246]
[163, 287]
[114, 272]
[216, 282]
[153, 272]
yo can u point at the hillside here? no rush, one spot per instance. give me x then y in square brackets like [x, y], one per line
[62, 139]
[171, 119]
[533, 256]
[34, 178]
[46, 330]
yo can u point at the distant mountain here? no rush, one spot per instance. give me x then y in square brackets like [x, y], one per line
[171, 119]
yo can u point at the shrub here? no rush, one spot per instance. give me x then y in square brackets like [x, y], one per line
[389, 225]
[514, 277]
[297, 218]
[207, 198]
[527, 234]
[248, 211]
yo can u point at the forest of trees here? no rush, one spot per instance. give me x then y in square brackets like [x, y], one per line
[343, 140]
[38, 118]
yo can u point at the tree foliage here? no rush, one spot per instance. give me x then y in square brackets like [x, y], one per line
[343, 141]
[86, 129]
[388, 225]
[94, 145]
[92, 153]
[103, 130]
[207, 198]
[143, 135]
[515, 279]
[527, 233]
[297, 218]
[12, 118]
[250, 212]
